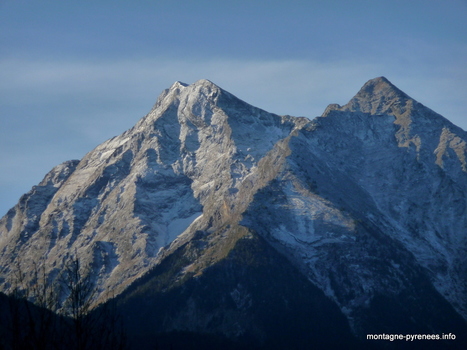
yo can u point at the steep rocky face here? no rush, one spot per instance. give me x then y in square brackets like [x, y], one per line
[367, 203]
[411, 163]
[182, 165]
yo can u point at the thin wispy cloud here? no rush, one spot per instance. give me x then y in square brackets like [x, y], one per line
[297, 87]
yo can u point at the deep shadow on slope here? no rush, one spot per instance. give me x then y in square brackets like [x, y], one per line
[253, 299]
[256, 299]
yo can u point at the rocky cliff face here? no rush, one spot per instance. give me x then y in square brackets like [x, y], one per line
[367, 203]
[183, 165]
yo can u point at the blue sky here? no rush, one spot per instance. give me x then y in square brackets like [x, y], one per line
[73, 74]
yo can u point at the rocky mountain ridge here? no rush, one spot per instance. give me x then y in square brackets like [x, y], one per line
[367, 202]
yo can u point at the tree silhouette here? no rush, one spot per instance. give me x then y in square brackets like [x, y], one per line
[33, 316]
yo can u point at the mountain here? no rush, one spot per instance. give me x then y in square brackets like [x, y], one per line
[215, 222]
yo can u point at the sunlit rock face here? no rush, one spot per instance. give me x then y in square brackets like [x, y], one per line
[366, 203]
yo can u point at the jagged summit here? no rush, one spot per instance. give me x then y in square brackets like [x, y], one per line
[200, 82]
[377, 96]
[205, 82]
[379, 87]
[202, 91]
[375, 85]
[178, 84]
[179, 89]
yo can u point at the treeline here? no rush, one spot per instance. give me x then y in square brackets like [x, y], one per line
[58, 315]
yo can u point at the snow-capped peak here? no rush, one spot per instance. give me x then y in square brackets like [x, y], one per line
[178, 85]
